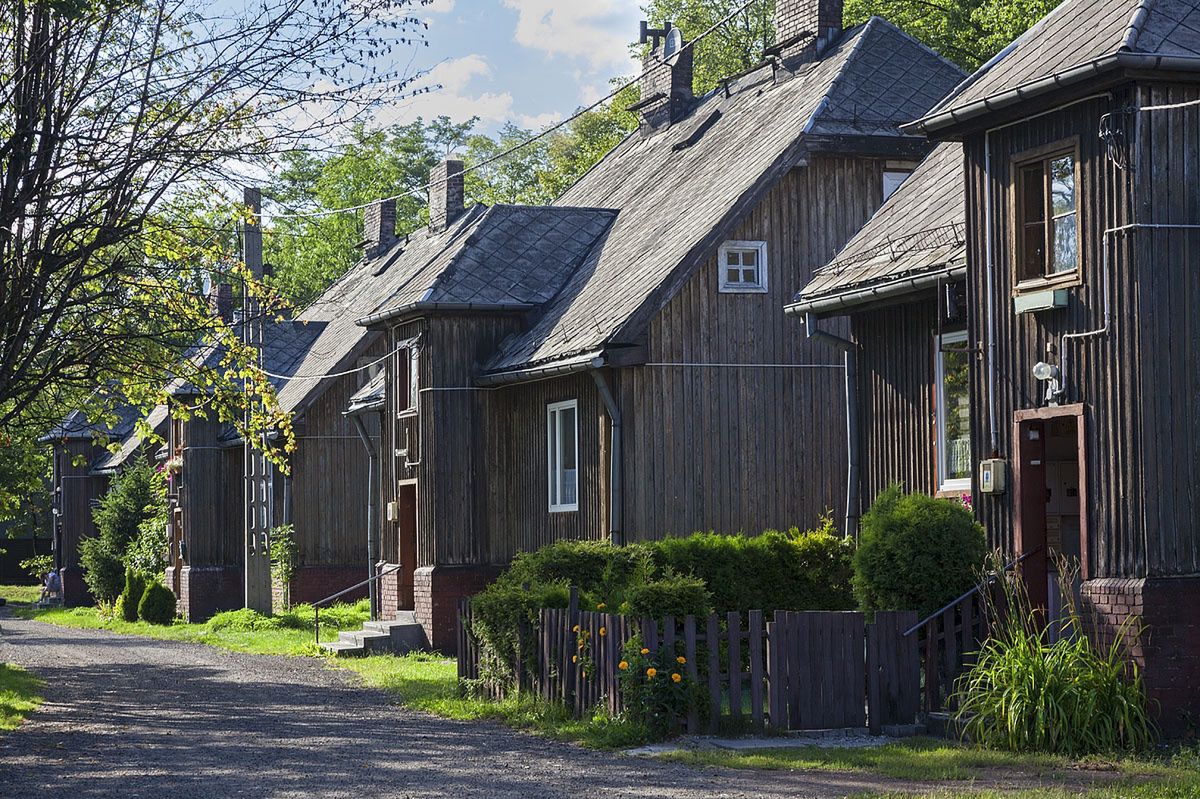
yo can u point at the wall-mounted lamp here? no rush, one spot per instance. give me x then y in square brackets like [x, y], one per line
[1053, 376]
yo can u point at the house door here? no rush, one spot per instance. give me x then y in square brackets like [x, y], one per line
[406, 545]
[1050, 512]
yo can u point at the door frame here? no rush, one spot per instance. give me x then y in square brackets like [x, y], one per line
[1026, 534]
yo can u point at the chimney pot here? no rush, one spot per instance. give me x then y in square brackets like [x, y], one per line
[379, 227]
[821, 19]
[447, 199]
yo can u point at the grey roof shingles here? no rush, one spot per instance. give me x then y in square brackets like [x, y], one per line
[920, 229]
[675, 194]
[1074, 35]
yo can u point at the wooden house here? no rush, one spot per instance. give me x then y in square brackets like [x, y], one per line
[1081, 180]
[618, 365]
[84, 456]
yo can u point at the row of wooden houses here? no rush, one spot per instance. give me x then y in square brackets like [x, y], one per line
[719, 327]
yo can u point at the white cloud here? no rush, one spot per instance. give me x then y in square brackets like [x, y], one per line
[597, 32]
[459, 97]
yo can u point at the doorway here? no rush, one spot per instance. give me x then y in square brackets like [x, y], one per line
[1050, 519]
[406, 544]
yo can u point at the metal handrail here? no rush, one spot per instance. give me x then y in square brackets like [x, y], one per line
[317, 605]
[974, 590]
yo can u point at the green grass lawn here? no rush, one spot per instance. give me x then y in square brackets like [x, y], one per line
[288, 633]
[21, 594]
[20, 694]
[925, 759]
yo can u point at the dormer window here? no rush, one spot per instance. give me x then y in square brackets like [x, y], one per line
[743, 266]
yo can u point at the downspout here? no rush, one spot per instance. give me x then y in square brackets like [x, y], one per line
[372, 511]
[614, 415]
[850, 350]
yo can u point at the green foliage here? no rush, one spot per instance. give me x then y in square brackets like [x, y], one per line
[103, 569]
[342, 616]
[157, 605]
[1029, 693]
[657, 689]
[284, 559]
[732, 49]
[37, 566]
[916, 552]
[131, 597]
[503, 615]
[135, 495]
[671, 595]
[146, 553]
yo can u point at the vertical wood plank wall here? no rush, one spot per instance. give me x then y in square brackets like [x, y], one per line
[895, 396]
[211, 495]
[399, 434]
[749, 448]
[1139, 383]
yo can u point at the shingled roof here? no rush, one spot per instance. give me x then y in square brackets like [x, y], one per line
[680, 190]
[111, 462]
[918, 235]
[1074, 42]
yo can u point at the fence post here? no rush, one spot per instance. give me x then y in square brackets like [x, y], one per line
[734, 621]
[712, 641]
[755, 622]
[693, 672]
[775, 677]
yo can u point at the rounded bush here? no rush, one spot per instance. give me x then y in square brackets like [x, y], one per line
[157, 605]
[916, 552]
[131, 597]
[672, 595]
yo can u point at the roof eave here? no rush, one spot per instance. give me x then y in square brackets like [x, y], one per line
[957, 116]
[856, 296]
[420, 307]
[579, 363]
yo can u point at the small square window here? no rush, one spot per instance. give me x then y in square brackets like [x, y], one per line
[743, 267]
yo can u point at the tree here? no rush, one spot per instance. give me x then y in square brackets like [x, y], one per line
[731, 49]
[110, 110]
[138, 495]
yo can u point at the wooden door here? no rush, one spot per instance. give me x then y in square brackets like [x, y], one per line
[1029, 534]
[406, 530]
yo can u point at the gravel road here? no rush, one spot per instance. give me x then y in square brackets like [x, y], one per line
[133, 717]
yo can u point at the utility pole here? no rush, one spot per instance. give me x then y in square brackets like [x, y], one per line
[259, 488]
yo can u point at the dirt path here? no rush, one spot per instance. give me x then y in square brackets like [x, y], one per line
[133, 717]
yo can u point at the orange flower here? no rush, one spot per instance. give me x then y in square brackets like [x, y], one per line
[650, 672]
[624, 664]
[603, 631]
[681, 660]
[575, 629]
[676, 677]
[645, 651]
[574, 658]
[581, 644]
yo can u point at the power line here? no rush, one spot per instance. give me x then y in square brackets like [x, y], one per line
[419, 191]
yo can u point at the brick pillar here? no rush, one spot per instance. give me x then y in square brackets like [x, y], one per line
[437, 590]
[207, 590]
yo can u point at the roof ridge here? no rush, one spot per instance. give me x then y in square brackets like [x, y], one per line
[1136, 22]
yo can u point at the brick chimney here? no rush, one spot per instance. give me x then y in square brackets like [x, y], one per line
[379, 228]
[220, 301]
[821, 20]
[667, 86]
[446, 195]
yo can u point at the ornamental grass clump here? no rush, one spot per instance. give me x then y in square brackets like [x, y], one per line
[1039, 687]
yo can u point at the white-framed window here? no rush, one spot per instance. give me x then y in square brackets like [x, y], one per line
[414, 377]
[953, 412]
[743, 266]
[892, 178]
[408, 384]
[562, 455]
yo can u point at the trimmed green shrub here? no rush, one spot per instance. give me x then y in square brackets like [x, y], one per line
[916, 552]
[672, 595]
[1027, 693]
[157, 605]
[103, 569]
[131, 597]
[500, 613]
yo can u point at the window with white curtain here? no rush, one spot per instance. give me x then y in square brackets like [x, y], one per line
[562, 455]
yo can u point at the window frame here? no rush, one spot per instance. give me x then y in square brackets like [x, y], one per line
[408, 382]
[726, 287]
[554, 486]
[954, 485]
[1044, 155]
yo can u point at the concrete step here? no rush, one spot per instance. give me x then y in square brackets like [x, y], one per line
[343, 649]
[406, 636]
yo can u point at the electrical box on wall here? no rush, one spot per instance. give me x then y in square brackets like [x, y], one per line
[393, 511]
[992, 476]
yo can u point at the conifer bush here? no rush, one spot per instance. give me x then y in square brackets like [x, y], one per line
[131, 597]
[157, 605]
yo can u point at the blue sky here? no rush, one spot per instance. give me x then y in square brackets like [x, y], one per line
[532, 62]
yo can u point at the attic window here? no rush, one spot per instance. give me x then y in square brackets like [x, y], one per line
[743, 267]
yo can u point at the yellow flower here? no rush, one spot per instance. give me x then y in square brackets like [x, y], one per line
[574, 658]
[603, 631]
[681, 660]
[645, 651]
[676, 677]
[601, 606]
[650, 672]
[624, 664]
[575, 629]
[581, 644]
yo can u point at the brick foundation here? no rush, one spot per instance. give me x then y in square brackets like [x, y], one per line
[311, 583]
[1167, 650]
[207, 590]
[389, 591]
[437, 590]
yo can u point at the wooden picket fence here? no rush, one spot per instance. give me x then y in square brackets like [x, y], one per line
[786, 671]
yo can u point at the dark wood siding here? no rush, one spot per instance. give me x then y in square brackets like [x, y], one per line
[1139, 382]
[895, 396]
[763, 444]
[77, 490]
[210, 494]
